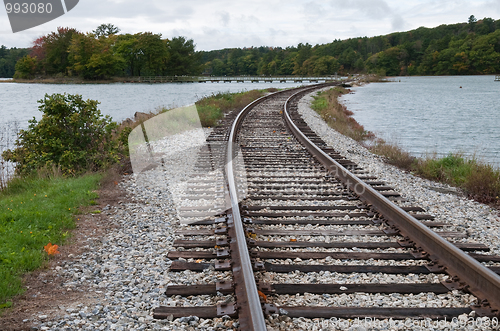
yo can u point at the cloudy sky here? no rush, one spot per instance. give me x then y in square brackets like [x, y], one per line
[243, 23]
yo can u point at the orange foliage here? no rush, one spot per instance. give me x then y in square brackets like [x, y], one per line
[51, 249]
[262, 296]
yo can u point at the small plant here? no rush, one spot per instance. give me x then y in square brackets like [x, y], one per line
[51, 249]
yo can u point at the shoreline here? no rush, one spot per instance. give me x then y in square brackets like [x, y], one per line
[472, 151]
[365, 78]
[478, 180]
[117, 266]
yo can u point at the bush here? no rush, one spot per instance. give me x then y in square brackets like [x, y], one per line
[26, 67]
[72, 135]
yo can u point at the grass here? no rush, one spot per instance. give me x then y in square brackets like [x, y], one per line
[393, 154]
[478, 180]
[337, 116]
[213, 108]
[33, 212]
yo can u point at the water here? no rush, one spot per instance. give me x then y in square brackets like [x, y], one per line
[433, 115]
[18, 102]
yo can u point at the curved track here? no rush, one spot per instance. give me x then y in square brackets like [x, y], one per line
[306, 209]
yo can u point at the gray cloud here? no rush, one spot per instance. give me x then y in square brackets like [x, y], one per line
[223, 23]
[225, 18]
[398, 23]
[374, 9]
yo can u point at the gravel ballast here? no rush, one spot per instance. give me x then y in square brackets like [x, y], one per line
[128, 269]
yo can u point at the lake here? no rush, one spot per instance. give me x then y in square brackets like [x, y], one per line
[433, 115]
[18, 102]
[422, 114]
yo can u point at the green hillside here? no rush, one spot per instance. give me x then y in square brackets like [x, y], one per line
[463, 48]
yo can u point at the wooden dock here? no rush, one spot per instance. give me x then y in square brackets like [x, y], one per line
[226, 79]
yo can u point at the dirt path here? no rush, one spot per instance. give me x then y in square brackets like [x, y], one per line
[45, 296]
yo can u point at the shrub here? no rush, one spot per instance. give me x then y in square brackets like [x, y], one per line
[483, 184]
[26, 67]
[393, 154]
[452, 169]
[72, 135]
[337, 116]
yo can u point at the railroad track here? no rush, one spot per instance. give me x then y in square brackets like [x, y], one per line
[310, 234]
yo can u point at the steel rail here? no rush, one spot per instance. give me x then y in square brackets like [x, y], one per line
[251, 311]
[479, 280]
[250, 308]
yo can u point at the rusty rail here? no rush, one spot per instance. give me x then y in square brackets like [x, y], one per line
[250, 312]
[466, 272]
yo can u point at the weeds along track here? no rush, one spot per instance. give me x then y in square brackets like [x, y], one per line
[308, 236]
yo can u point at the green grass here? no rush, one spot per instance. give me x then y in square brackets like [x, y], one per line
[478, 180]
[337, 116]
[452, 169]
[34, 212]
[211, 109]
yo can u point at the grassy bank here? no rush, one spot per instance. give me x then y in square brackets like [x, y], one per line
[338, 116]
[212, 109]
[39, 209]
[34, 212]
[479, 181]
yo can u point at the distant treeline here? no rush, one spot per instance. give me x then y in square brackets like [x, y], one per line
[8, 59]
[463, 48]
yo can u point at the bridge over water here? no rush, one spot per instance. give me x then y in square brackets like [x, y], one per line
[227, 79]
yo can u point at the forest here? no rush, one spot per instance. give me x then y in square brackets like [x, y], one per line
[468, 48]
[103, 53]
[457, 49]
[8, 59]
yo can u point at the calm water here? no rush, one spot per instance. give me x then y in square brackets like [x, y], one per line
[433, 114]
[18, 102]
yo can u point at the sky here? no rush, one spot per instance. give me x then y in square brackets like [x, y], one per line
[242, 23]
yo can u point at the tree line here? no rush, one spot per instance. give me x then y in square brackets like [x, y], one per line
[9, 58]
[104, 53]
[463, 48]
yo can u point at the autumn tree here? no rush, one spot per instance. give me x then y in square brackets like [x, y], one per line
[93, 58]
[55, 49]
[26, 67]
